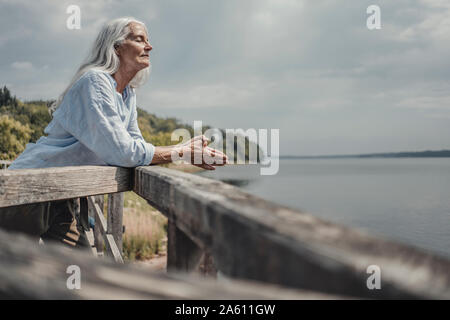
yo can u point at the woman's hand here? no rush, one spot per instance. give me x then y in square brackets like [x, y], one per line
[194, 151]
[197, 152]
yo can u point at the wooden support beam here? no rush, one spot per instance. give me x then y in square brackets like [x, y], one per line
[90, 237]
[111, 246]
[98, 237]
[115, 214]
[182, 253]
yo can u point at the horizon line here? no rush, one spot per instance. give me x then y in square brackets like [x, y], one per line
[446, 153]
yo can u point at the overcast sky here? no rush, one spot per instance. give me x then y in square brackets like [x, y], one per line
[309, 68]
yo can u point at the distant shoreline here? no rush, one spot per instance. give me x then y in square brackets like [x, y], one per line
[407, 154]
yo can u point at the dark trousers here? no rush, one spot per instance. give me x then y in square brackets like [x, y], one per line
[51, 221]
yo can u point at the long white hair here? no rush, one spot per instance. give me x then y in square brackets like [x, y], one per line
[102, 55]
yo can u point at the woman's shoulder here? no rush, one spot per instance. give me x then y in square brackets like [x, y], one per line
[93, 80]
[96, 76]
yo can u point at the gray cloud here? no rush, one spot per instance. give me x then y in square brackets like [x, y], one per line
[310, 68]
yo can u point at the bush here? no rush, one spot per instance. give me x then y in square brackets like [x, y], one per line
[13, 137]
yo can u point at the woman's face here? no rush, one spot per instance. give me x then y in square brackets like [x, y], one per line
[134, 52]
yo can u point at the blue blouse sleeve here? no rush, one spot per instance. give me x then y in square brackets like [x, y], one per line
[89, 113]
[133, 127]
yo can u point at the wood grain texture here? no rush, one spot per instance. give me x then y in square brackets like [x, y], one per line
[98, 237]
[115, 217]
[90, 237]
[112, 249]
[182, 253]
[40, 185]
[98, 215]
[251, 238]
[31, 271]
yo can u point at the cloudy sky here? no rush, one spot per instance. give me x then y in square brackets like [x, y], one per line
[309, 68]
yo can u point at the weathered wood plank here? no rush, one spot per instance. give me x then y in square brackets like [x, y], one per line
[40, 185]
[115, 214]
[255, 239]
[98, 215]
[206, 266]
[98, 237]
[83, 213]
[31, 271]
[182, 253]
[90, 237]
[111, 246]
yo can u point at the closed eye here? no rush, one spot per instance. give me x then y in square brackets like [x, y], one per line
[140, 39]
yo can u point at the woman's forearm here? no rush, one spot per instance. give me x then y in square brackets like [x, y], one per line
[164, 154]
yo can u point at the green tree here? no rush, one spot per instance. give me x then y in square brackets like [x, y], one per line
[6, 98]
[13, 137]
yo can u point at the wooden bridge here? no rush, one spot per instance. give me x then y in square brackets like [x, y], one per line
[222, 243]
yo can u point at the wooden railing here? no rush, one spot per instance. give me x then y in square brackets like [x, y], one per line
[221, 231]
[31, 186]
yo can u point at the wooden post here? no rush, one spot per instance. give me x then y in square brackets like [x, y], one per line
[115, 214]
[98, 237]
[184, 255]
[207, 266]
[110, 244]
[84, 213]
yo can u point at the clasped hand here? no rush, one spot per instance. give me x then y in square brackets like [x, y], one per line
[197, 152]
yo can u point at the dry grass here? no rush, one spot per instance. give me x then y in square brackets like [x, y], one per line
[145, 229]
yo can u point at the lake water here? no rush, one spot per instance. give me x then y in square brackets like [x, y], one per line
[405, 199]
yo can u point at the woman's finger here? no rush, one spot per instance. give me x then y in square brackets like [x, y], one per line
[206, 166]
[216, 153]
[219, 164]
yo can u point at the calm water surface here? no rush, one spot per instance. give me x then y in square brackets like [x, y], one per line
[405, 199]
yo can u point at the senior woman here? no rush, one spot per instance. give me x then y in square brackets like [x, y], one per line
[95, 123]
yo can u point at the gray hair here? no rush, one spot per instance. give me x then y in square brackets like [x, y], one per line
[103, 57]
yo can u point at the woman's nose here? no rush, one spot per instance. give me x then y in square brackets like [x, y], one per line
[148, 46]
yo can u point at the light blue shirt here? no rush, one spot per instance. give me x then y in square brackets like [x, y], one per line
[94, 125]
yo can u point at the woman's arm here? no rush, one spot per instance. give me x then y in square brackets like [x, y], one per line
[163, 154]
